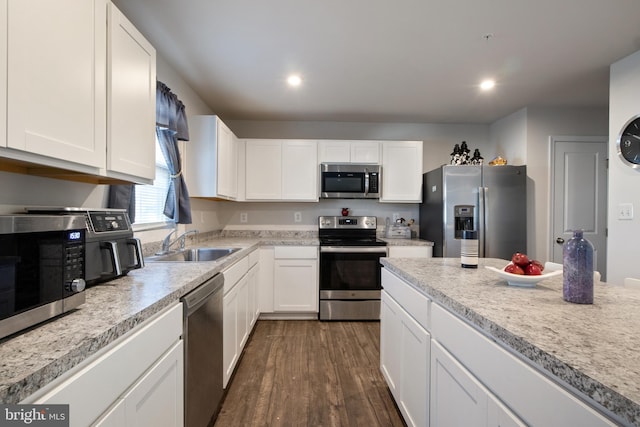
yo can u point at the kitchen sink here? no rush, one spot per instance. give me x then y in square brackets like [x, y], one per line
[193, 255]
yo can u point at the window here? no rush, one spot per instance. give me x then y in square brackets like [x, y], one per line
[150, 199]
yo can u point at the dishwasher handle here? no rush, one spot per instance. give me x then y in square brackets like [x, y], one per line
[194, 299]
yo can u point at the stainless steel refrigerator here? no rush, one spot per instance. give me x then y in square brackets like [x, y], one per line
[489, 199]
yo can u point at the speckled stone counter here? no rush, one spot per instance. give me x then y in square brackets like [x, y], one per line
[593, 348]
[406, 242]
[33, 358]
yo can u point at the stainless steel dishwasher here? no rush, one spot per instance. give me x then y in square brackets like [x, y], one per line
[203, 352]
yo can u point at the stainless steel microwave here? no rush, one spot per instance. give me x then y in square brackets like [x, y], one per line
[41, 268]
[350, 181]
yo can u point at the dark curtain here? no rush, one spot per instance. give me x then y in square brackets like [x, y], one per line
[123, 197]
[171, 127]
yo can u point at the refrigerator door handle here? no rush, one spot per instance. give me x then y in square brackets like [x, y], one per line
[482, 223]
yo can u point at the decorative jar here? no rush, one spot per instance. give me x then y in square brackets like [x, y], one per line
[577, 269]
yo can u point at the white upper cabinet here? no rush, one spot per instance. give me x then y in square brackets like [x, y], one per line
[336, 151]
[281, 170]
[263, 169]
[401, 171]
[131, 101]
[56, 83]
[3, 74]
[299, 170]
[211, 159]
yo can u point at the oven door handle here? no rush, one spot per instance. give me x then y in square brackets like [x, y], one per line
[353, 249]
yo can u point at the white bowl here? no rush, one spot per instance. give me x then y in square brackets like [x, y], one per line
[521, 280]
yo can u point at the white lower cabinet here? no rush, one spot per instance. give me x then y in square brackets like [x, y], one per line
[153, 401]
[137, 381]
[240, 310]
[404, 361]
[457, 398]
[295, 279]
[471, 380]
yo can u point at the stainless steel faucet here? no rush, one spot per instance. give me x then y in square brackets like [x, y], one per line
[167, 243]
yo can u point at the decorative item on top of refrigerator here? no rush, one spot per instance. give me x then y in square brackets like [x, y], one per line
[488, 199]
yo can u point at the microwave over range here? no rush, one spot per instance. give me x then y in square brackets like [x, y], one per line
[350, 181]
[42, 268]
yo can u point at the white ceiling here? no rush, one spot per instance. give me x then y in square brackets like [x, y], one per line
[390, 61]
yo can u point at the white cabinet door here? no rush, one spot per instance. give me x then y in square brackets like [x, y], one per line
[254, 308]
[266, 277]
[402, 172]
[57, 80]
[338, 151]
[3, 74]
[415, 360]
[243, 313]
[211, 159]
[365, 152]
[230, 346]
[295, 285]
[227, 165]
[457, 398]
[263, 169]
[404, 360]
[334, 151]
[390, 342]
[131, 100]
[300, 170]
[158, 398]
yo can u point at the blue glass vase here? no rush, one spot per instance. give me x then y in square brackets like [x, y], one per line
[577, 275]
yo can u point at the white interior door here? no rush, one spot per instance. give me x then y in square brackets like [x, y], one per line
[579, 194]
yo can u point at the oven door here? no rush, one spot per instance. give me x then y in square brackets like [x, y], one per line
[350, 282]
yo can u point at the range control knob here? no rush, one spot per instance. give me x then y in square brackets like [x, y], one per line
[76, 285]
[115, 225]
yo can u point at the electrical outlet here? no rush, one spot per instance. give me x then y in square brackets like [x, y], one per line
[625, 211]
[244, 217]
[297, 216]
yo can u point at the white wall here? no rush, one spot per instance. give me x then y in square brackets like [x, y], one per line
[624, 182]
[509, 136]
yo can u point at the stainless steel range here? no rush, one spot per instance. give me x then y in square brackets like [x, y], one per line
[350, 280]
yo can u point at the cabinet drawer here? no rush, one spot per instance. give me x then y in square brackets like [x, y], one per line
[296, 252]
[531, 396]
[254, 257]
[415, 303]
[234, 273]
[92, 388]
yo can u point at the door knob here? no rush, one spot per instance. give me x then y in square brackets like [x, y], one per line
[560, 240]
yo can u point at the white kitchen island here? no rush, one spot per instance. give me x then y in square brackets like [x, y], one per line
[493, 354]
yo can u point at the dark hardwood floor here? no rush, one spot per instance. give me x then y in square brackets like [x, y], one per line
[310, 373]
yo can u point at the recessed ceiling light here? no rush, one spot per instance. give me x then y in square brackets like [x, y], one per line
[294, 80]
[487, 84]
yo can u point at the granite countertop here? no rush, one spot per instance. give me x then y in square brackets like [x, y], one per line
[594, 348]
[33, 358]
[406, 242]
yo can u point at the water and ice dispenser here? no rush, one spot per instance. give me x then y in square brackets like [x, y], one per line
[463, 216]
